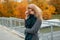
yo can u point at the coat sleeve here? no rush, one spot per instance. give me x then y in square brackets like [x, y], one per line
[35, 27]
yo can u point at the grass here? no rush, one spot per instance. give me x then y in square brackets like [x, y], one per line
[55, 28]
[57, 16]
[48, 29]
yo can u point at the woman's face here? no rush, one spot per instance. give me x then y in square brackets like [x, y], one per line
[30, 11]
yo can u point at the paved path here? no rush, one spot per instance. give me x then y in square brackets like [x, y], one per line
[6, 35]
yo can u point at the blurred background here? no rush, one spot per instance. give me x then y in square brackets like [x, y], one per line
[17, 8]
[12, 15]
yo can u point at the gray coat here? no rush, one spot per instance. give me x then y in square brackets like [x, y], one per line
[34, 29]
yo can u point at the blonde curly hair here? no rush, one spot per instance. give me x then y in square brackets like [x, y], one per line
[37, 10]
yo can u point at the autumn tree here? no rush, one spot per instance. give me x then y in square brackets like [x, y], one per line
[56, 3]
[1, 8]
[22, 8]
[8, 8]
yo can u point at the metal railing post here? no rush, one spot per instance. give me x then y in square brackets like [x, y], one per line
[51, 32]
[10, 22]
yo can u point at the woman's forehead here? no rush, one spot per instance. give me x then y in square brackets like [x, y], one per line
[29, 8]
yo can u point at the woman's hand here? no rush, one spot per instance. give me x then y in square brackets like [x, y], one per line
[27, 14]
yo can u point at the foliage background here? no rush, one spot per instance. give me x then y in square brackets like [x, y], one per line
[11, 8]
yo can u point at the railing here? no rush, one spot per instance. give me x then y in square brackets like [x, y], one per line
[11, 22]
[18, 24]
[51, 23]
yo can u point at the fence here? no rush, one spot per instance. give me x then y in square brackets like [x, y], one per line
[11, 22]
[18, 25]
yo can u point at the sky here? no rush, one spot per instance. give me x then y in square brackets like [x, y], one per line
[15, 0]
[18, 0]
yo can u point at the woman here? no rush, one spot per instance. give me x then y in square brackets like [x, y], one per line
[32, 22]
